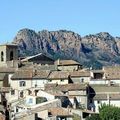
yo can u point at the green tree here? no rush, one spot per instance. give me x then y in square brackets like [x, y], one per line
[109, 112]
[106, 112]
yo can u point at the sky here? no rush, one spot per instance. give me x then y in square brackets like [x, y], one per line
[81, 16]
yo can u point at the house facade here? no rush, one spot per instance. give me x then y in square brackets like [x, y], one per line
[68, 65]
[58, 77]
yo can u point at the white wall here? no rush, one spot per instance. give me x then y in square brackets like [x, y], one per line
[81, 79]
[15, 84]
[102, 81]
[58, 81]
[40, 83]
[46, 95]
[115, 81]
[98, 81]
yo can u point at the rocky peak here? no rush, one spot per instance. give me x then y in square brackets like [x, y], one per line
[92, 50]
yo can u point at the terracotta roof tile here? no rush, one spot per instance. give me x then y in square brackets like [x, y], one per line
[7, 70]
[30, 74]
[66, 62]
[59, 112]
[105, 88]
[80, 74]
[22, 74]
[66, 87]
[112, 72]
[58, 74]
[105, 97]
[41, 74]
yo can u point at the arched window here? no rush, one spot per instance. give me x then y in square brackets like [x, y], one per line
[2, 56]
[11, 55]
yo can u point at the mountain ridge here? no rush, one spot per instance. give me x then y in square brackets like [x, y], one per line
[93, 50]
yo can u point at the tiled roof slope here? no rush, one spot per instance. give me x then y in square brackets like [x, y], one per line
[58, 75]
[66, 62]
[30, 74]
[66, 87]
[59, 112]
[105, 88]
[105, 97]
[112, 72]
[80, 73]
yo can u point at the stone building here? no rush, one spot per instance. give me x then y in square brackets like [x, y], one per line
[8, 55]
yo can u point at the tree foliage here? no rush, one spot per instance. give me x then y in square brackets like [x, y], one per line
[106, 112]
[109, 112]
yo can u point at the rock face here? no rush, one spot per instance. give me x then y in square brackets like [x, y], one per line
[91, 50]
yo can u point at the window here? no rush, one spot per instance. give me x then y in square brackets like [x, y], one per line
[30, 100]
[62, 80]
[16, 109]
[22, 83]
[36, 91]
[12, 92]
[11, 55]
[21, 94]
[2, 56]
[82, 80]
[50, 80]
[98, 101]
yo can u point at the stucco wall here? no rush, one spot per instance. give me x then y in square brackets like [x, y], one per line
[58, 81]
[45, 94]
[98, 81]
[15, 84]
[39, 82]
[80, 79]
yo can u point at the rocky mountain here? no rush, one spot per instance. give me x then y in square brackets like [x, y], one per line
[91, 50]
